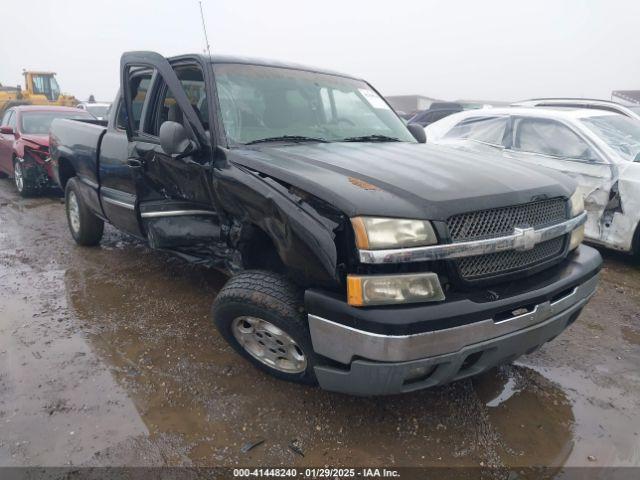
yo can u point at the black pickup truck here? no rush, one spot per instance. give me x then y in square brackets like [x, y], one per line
[359, 258]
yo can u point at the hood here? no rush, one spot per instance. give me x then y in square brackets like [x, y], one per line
[404, 179]
[39, 140]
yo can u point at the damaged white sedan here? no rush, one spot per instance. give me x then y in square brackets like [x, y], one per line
[599, 149]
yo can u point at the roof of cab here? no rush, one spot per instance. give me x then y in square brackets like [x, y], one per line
[218, 59]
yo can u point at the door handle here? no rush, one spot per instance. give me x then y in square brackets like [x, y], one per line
[135, 163]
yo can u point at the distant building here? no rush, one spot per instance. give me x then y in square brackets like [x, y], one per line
[626, 97]
[410, 103]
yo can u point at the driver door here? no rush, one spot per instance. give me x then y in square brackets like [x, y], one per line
[175, 202]
[555, 145]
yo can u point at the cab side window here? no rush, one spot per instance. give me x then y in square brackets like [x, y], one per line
[139, 89]
[167, 109]
[548, 137]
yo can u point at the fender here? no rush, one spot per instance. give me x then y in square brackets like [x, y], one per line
[304, 236]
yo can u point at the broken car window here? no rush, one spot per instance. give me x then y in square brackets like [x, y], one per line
[259, 102]
[619, 132]
[482, 129]
[548, 137]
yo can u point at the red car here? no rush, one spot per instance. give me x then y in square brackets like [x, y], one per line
[24, 144]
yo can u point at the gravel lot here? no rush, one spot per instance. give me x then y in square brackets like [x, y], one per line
[108, 357]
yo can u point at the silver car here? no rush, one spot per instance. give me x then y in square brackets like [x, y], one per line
[599, 149]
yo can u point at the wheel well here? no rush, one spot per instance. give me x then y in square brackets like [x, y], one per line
[259, 252]
[65, 171]
[635, 242]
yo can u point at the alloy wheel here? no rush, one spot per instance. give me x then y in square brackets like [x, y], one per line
[269, 344]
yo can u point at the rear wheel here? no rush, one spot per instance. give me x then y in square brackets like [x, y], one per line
[261, 315]
[23, 183]
[85, 227]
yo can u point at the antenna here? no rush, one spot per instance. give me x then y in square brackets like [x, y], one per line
[204, 28]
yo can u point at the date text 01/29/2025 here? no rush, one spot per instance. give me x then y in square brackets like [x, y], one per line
[316, 473]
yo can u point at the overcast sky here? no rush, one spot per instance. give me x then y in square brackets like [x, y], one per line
[488, 49]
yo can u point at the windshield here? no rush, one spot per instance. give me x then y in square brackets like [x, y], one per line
[98, 110]
[38, 123]
[619, 132]
[260, 102]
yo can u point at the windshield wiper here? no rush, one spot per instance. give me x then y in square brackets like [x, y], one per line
[288, 138]
[371, 138]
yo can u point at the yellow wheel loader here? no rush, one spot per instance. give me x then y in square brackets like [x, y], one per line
[40, 88]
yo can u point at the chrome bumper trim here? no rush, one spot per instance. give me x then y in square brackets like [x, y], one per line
[516, 241]
[341, 343]
[176, 213]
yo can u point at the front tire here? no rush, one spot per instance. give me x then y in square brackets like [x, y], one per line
[85, 227]
[23, 183]
[261, 315]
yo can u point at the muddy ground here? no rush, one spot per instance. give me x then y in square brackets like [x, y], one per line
[108, 357]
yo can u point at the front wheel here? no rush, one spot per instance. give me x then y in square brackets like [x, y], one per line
[23, 182]
[261, 315]
[85, 227]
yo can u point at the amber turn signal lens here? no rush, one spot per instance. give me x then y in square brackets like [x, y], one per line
[354, 291]
[360, 230]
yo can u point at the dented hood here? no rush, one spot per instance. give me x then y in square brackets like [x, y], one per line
[404, 179]
[39, 140]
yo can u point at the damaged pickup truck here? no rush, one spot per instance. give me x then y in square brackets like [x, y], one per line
[360, 259]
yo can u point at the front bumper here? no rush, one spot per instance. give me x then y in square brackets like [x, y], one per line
[37, 172]
[368, 362]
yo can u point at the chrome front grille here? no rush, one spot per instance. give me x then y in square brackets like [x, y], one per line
[502, 221]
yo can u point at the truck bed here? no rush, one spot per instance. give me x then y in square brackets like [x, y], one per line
[78, 142]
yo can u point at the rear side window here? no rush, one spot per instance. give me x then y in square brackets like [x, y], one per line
[482, 129]
[548, 137]
[139, 89]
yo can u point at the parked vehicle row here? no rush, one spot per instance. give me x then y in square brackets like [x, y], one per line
[99, 110]
[360, 258]
[599, 148]
[24, 144]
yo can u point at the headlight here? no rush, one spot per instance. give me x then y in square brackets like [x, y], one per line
[576, 204]
[576, 237]
[373, 233]
[388, 289]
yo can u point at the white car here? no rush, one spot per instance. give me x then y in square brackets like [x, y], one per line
[100, 110]
[599, 149]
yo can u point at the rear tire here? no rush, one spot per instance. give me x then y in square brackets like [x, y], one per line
[23, 183]
[86, 229]
[261, 315]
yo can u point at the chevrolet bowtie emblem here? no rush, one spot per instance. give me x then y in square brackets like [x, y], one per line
[526, 238]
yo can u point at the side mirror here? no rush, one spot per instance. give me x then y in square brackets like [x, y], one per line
[6, 130]
[418, 132]
[174, 139]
